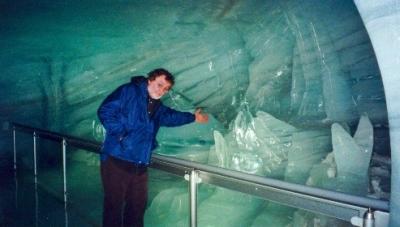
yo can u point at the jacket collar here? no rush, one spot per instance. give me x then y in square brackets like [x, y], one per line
[141, 83]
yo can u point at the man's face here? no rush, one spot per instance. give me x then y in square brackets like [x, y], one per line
[158, 87]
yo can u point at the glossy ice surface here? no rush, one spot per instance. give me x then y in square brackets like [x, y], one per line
[293, 90]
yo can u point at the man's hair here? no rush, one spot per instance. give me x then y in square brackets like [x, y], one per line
[159, 72]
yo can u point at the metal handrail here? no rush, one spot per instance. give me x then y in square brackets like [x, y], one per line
[295, 195]
[77, 142]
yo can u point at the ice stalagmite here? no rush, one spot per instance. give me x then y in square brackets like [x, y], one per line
[244, 143]
[352, 156]
[275, 140]
[238, 150]
[345, 169]
[221, 150]
[308, 148]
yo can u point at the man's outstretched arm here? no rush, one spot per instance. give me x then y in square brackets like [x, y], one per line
[200, 117]
[172, 118]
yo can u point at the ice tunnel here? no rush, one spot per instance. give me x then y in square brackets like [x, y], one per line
[299, 91]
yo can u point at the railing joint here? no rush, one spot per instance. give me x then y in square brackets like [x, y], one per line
[188, 175]
[64, 141]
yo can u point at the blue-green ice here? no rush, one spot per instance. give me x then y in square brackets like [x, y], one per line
[293, 89]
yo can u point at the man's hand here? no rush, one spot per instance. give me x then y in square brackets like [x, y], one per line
[200, 117]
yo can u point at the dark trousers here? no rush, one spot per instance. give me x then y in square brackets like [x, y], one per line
[125, 193]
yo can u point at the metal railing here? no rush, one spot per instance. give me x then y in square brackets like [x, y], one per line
[361, 211]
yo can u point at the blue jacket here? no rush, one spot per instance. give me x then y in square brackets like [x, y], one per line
[130, 131]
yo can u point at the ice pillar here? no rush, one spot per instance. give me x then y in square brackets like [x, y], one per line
[382, 20]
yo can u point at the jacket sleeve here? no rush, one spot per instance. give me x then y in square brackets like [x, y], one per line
[109, 112]
[171, 118]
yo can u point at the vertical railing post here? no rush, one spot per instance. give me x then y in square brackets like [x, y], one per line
[64, 149]
[35, 175]
[193, 181]
[34, 157]
[15, 150]
[369, 220]
[15, 166]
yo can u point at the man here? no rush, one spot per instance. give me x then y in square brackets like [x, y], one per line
[132, 115]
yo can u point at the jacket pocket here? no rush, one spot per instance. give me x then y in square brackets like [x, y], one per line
[129, 141]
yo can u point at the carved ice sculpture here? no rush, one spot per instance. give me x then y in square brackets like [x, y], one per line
[275, 138]
[353, 155]
[221, 150]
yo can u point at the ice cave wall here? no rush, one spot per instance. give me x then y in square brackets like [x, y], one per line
[302, 61]
[381, 19]
[307, 63]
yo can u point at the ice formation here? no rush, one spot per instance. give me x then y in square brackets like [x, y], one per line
[274, 75]
[353, 155]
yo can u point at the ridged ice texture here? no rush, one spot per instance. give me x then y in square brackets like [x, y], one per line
[301, 66]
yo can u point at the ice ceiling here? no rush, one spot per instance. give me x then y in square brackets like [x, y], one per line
[291, 85]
